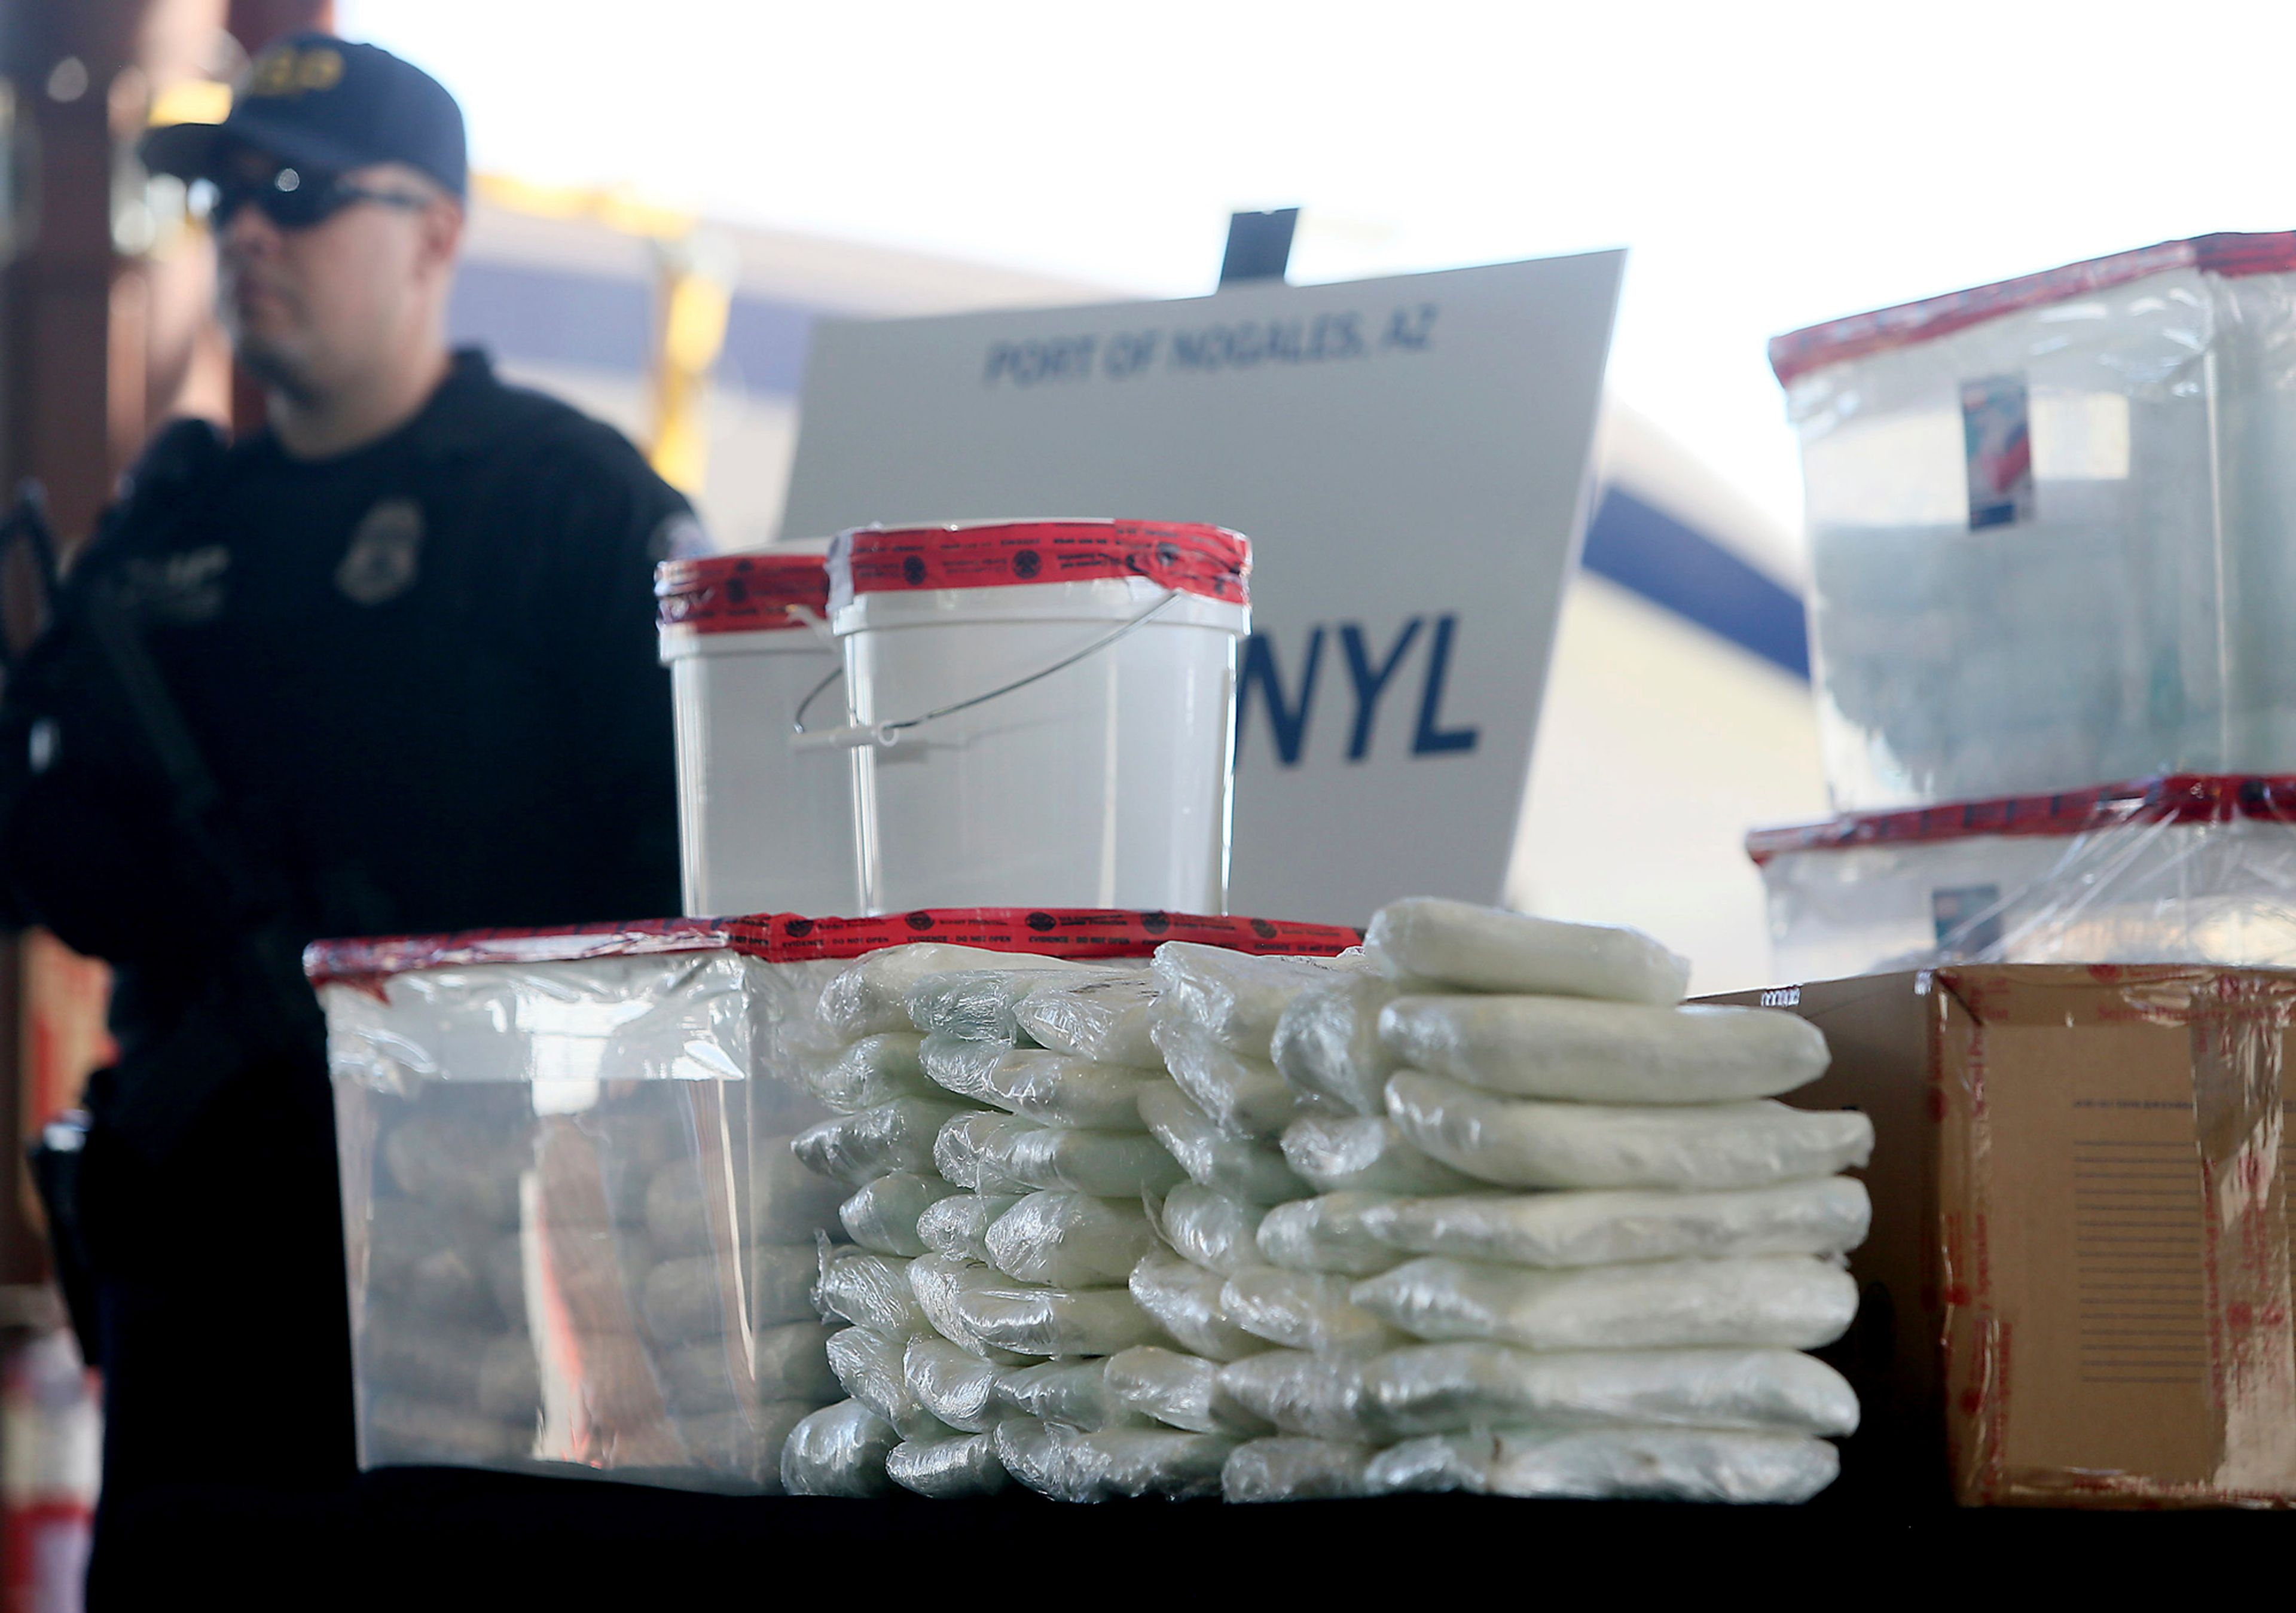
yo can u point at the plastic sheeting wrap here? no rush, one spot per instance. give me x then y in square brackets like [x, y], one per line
[858, 1148]
[839, 1450]
[1826, 1216]
[1112, 1464]
[1211, 1230]
[1624, 1464]
[1438, 1388]
[1073, 1394]
[1305, 1311]
[1327, 1043]
[976, 1004]
[1320, 1396]
[1251, 1172]
[1331, 1234]
[876, 1070]
[946, 1469]
[872, 1291]
[882, 1215]
[1463, 947]
[960, 1065]
[1522, 1142]
[1176, 1390]
[958, 1225]
[1107, 1165]
[1104, 1019]
[1285, 1468]
[1185, 1300]
[956, 1387]
[966, 1150]
[940, 1282]
[872, 996]
[1604, 1053]
[1235, 998]
[1055, 1089]
[868, 1368]
[1242, 1095]
[1366, 1154]
[1789, 1300]
[1070, 1240]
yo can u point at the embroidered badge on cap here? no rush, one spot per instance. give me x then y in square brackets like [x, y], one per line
[384, 553]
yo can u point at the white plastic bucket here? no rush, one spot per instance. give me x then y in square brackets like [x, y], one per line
[1043, 712]
[762, 825]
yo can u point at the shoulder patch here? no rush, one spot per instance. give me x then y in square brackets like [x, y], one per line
[384, 555]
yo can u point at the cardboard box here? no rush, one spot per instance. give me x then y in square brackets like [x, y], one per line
[2077, 1285]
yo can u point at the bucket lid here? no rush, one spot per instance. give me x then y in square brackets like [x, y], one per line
[2181, 797]
[740, 593]
[1190, 559]
[788, 937]
[1799, 352]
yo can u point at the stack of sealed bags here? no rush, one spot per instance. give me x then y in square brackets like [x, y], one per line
[1578, 1195]
[1000, 1179]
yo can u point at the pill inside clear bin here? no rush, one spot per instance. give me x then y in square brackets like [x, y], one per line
[578, 1242]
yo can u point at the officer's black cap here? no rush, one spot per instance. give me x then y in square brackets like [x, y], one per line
[314, 101]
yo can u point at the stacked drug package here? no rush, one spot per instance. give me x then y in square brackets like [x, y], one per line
[1564, 1241]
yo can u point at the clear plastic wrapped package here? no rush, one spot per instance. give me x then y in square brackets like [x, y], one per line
[2181, 870]
[952, 1383]
[1209, 1229]
[1327, 1043]
[1243, 1095]
[1432, 943]
[1285, 1467]
[1306, 1311]
[881, 1216]
[1185, 1300]
[1111, 1464]
[869, 1367]
[1441, 1388]
[1251, 1172]
[2048, 525]
[1103, 1018]
[1329, 1233]
[1604, 1053]
[875, 1069]
[1176, 1390]
[1235, 998]
[976, 1004]
[1058, 1089]
[1070, 1240]
[1611, 1464]
[1365, 1154]
[1522, 1142]
[839, 1450]
[947, 1468]
[1823, 1215]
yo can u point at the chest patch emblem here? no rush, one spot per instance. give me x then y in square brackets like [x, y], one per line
[385, 554]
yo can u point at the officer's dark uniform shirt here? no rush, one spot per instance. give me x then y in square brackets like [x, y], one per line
[425, 675]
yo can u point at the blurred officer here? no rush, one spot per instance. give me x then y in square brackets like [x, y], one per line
[386, 666]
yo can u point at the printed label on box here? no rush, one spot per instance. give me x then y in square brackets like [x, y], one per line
[1997, 431]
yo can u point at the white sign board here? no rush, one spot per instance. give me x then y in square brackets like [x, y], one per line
[1409, 457]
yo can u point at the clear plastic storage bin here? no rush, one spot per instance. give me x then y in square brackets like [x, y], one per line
[578, 1240]
[2190, 869]
[2050, 523]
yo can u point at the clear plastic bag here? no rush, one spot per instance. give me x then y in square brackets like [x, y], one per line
[1327, 1234]
[1827, 1216]
[1073, 1394]
[1305, 1311]
[1440, 1388]
[1318, 1396]
[1107, 1165]
[966, 1149]
[882, 1215]
[873, 1291]
[896, 1136]
[1031, 1321]
[1104, 1019]
[1242, 1095]
[839, 1450]
[872, 994]
[789, 1203]
[1251, 1172]
[868, 1368]
[1365, 1154]
[1111, 1464]
[958, 1225]
[956, 1387]
[1209, 1229]
[1287, 1468]
[978, 1004]
[1792, 1301]
[1070, 1240]
[1469, 948]
[959, 1065]
[695, 1296]
[1327, 1043]
[1176, 1390]
[1234, 995]
[1524, 1142]
[1605, 1052]
[1185, 1300]
[875, 1069]
[1616, 1464]
[948, 1470]
[1056, 1089]
[939, 1282]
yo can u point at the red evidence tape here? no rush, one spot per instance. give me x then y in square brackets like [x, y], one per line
[741, 593]
[787, 937]
[1191, 559]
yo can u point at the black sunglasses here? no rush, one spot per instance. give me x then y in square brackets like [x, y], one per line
[293, 199]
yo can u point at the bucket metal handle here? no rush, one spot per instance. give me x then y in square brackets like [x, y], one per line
[888, 733]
